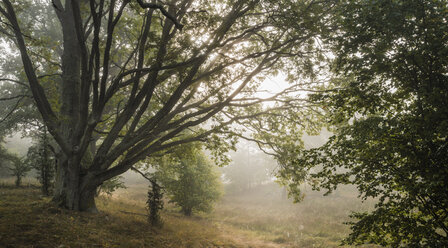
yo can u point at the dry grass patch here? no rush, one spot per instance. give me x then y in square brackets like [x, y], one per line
[29, 220]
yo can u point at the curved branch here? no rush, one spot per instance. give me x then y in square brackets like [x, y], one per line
[12, 110]
[143, 175]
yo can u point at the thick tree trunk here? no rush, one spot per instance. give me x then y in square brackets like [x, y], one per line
[87, 201]
[68, 192]
[70, 197]
[73, 199]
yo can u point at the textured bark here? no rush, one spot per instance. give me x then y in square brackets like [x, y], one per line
[73, 199]
[87, 201]
[74, 191]
[67, 192]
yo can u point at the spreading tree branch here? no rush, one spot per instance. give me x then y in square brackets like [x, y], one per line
[164, 12]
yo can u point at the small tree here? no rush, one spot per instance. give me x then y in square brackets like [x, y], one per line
[14, 163]
[190, 181]
[18, 168]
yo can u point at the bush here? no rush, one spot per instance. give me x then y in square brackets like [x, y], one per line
[155, 204]
[190, 181]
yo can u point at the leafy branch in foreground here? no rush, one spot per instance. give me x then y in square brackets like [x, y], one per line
[390, 117]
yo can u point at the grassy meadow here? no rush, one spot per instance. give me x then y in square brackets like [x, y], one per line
[261, 217]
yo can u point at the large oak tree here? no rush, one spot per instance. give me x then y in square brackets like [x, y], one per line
[136, 78]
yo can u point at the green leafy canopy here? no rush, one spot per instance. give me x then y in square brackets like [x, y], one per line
[389, 114]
